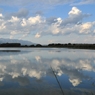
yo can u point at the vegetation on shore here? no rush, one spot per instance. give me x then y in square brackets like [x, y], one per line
[53, 45]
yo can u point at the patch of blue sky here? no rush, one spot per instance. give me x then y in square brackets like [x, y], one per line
[8, 9]
[88, 9]
[59, 11]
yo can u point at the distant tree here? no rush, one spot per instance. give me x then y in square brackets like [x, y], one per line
[32, 45]
[38, 45]
[51, 44]
[69, 44]
[10, 45]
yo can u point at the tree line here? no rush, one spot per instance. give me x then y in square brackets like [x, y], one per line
[52, 45]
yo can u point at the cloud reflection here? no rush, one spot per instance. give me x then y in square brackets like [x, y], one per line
[22, 67]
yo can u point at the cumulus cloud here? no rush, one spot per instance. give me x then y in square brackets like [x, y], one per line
[1, 16]
[37, 35]
[75, 16]
[74, 11]
[20, 26]
[38, 25]
[87, 27]
[72, 24]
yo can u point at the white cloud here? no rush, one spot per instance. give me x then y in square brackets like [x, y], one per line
[74, 11]
[72, 24]
[37, 35]
[86, 27]
[75, 16]
[13, 32]
[14, 19]
[40, 26]
[2, 26]
[1, 16]
[35, 20]
[23, 23]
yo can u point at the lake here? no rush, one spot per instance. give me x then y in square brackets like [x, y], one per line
[47, 71]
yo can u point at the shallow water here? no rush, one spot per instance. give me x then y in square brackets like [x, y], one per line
[47, 71]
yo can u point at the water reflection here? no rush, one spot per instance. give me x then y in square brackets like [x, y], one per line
[30, 72]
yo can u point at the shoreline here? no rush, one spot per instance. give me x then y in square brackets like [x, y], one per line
[46, 47]
[53, 45]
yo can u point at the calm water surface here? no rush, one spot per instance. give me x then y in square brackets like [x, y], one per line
[41, 71]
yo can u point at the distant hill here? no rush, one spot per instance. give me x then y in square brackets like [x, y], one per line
[22, 42]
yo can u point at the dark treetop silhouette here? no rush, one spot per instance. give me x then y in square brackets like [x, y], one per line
[52, 45]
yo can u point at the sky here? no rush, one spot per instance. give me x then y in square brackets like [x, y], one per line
[48, 21]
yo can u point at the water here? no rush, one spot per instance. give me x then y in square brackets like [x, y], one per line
[47, 71]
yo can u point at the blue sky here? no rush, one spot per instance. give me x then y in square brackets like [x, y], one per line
[48, 21]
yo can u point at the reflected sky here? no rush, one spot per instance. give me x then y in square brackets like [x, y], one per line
[32, 71]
